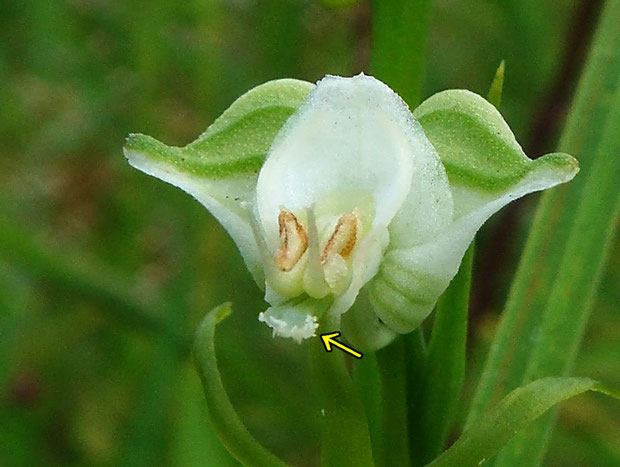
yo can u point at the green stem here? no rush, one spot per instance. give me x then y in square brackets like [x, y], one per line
[394, 438]
[445, 365]
[399, 34]
[415, 354]
[398, 57]
[227, 424]
[345, 439]
[367, 380]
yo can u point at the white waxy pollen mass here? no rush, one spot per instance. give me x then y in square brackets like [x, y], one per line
[293, 240]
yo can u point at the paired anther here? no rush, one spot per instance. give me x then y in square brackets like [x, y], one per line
[294, 239]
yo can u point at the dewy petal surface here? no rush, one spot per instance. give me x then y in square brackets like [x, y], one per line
[351, 136]
[354, 147]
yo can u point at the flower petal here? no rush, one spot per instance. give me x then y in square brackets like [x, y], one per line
[351, 135]
[220, 168]
[487, 170]
[354, 138]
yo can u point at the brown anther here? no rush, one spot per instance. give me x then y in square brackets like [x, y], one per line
[293, 240]
[343, 239]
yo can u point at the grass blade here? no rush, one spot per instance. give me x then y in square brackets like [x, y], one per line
[552, 296]
[571, 298]
[514, 413]
[545, 247]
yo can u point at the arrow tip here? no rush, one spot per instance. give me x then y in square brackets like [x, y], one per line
[327, 340]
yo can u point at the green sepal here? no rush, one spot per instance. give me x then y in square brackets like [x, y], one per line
[486, 169]
[220, 168]
[238, 141]
[476, 146]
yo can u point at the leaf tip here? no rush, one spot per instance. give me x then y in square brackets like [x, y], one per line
[497, 85]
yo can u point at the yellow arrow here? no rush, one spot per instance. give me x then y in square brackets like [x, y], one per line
[329, 340]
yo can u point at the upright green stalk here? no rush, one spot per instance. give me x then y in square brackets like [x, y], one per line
[345, 439]
[394, 438]
[398, 57]
[553, 291]
[445, 366]
[399, 33]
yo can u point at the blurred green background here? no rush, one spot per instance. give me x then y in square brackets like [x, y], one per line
[105, 272]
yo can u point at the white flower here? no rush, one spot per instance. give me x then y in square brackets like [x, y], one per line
[352, 195]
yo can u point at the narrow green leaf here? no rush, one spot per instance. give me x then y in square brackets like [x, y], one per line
[476, 145]
[227, 424]
[445, 365]
[399, 36]
[345, 438]
[194, 439]
[576, 283]
[497, 86]
[551, 296]
[514, 413]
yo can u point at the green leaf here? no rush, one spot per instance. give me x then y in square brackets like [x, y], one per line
[194, 439]
[552, 293]
[227, 424]
[477, 147]
[220, 168]
[514, 413]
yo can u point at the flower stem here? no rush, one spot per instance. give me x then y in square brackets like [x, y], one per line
[345, 436]
[394, 438]
[399, 34]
